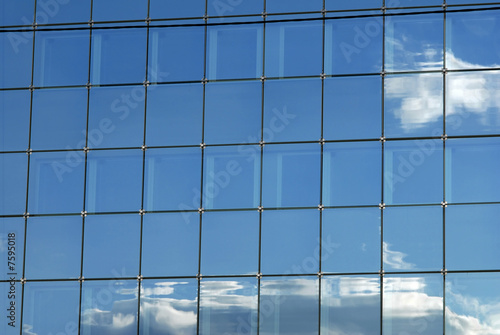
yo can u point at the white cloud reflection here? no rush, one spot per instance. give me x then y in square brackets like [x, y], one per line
[395, 259]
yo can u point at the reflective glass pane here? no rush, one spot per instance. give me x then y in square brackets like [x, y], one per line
[470, 39]
[12, 248]
[277, 6]
[413, 172]
[359, 4]
[413, 304]
[471, 303]
[414, 43]
[168, 307]
[16, 12]
[413, 238]
[454, 2]
[292, 110]
[288, 168]
[114, 10]
[352, 173]
[13, 173]
[472, 170]
[351, 240]
[170, 244]
[290, 242]
[109, 307]
[62, 11]
[289, 306]
[175, 9]
[53, 247]
[353, 45]
[350, 305]
[16, 53]
[56, 182]
[234, 7]
[231, 177]
[59, 118]
[473, 103]
[412, 3]
[61, 58]
[472, 237]
[294, 48]
[118, 55]
[53, 307]
[413, 105]
[352, 108]
[12, 300]
[230, 243]
[114, 180]
[234, 51]
[233, 112]
[174, 114]
[14, 120]
[116, 117]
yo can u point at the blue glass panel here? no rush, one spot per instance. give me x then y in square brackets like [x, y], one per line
[231, 177]
[118, 56]
[56, 182]
[174, 114]
[170, 244]
[472, 170]
[62, 11]
[233, 112]
[12, 300]
[114, 180]
[116, 117]
[14, 120]
[413, 105]
[114, 10]
[16, 12]
[59, 118]
[412, 3]
[61, 58]
[472, 105]
[234, 7]
[176, 9]
[230, 243]
[11, 253]
[278, 6]
[413, 238]
[413, 304]
[16, 53]
[353, 45]
[290, 242]
[288, 168]
[289, 306]
[177, 52]
[51, 307]
[472, 237]
[351, 240]
[13, 174]
[228, 306]
[457, 2]
[168, 307]
[414, 42]
[350, 305]
[109, 307]
[292, 110]
[107, 253]
[53, 247]
[352, 173]
[294, 48]
[469, 39]
[359, 4]
[234, 51]
[413, 172]
[352, 108]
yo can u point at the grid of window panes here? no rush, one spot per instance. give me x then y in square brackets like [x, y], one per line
[249, 167]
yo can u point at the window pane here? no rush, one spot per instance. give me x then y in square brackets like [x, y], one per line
[59, 118]
[290, 242]
[359, 4]
[176, 9]
[233, 112]
[352, 173]
[11, 237]
[107, 253]
[12, 300]
[61, 58]
[277, 6]
[168, 307]
[53, 247]
[16, 12]
[114, 10]
[16, 52]
[170, 244]
[288, 168]
[238, 7]
[413, 238]
[292, 110]
[13, 173]
[56, 182]
[114, 180]
[14, 120]
[61, 11]
[350, 305]
[351, 240]
[294, 49]
[174, 114]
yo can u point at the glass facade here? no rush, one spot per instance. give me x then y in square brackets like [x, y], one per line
[249, 167]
